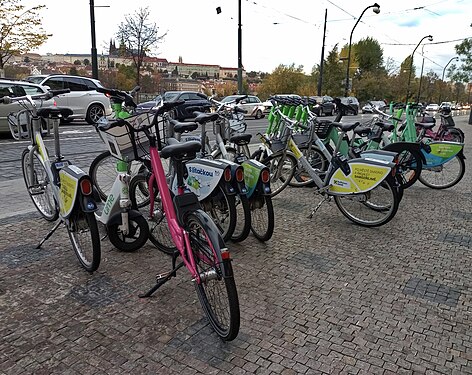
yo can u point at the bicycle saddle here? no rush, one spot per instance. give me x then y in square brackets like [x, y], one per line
[346, 127]
[362, 131]
[183, 127]
[426, 125]
[54, 112]
[241, 139]
[181, 150]
[203, 118]
[385, 126]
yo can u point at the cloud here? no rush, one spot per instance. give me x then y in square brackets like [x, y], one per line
[410, 23]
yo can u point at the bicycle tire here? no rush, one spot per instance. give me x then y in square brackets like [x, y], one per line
[259, 155]
[84, 225]
[455, 136]
[222, 305]
[135, 239]
[159, 233]
[221, 207]
[316, 159]
[386, 207]
[409, 168]
[102, 171]
[40, 190]
[231, 154]
[262, 227]
[429, 176]
[243, 219]
[279, 182]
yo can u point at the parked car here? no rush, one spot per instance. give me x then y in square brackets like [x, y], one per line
[368, 107]
[181, 112]
[445, 105]
[325, 105]
[352, 102]
[19, 88]
[432, 107]
[83, 99]
[252, 104]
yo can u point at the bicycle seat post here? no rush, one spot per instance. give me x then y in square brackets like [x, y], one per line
[57, 146]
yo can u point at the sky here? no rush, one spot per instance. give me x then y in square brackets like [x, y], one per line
[273, 31]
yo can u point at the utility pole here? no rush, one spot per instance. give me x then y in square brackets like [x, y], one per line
[320, 79]
[94, 43]
[240, 61]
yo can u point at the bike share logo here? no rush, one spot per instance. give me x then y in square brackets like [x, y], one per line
[200, 171]
[343, 184]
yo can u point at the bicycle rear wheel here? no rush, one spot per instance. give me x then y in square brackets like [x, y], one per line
[39, 189]
[222, 209]
[159, 233]
[262, 217]
[445, 175]
[243, 219]
[373, 208]
[282, 167]
[217, 290]
[85, 238]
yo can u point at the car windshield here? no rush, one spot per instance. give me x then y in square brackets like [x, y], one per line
[35, 79]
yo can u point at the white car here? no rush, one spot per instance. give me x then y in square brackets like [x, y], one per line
[83, 99]
[432, 107]
[15, 89]
[252, 104]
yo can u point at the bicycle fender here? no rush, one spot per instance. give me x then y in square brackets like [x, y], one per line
[215, 238]
[406, 146]
[116, 218]
[70, 178]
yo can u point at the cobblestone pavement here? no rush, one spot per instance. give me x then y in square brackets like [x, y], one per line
[323, 296]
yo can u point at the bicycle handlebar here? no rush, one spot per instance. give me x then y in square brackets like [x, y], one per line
[46, 95]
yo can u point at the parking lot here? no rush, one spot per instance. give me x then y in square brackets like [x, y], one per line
[323, 296]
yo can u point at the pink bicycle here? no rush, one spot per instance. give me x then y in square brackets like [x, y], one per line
[196, 238]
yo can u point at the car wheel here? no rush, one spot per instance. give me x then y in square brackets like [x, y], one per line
[94, 113]
[258, 114]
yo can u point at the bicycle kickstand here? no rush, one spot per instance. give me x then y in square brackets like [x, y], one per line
[325, 198]
[162, 278]
[51, 232]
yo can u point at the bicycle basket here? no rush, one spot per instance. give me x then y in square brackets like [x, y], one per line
[322, 128]
[128, 146]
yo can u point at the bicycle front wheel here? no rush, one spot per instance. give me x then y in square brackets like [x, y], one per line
[217, 290]
[373, 208]
[409, 168]
[445, 175]
[39, 187]
[317, 161]
[85, 238]
[159, 233]
[262, 218]
[282, 167]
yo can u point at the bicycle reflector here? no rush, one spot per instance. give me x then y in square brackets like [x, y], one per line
[86, 186]
[240, 174]
[265, 176]
[227, 174]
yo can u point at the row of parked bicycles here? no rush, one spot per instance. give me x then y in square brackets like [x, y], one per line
[190, 192]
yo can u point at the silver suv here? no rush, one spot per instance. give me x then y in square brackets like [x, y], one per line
[83, 99]
[19, 88]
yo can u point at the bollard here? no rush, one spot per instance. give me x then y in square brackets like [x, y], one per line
[470, 117]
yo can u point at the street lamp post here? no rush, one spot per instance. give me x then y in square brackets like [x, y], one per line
[240, 61]
[456, 58]
[430, 38]
[376, 9]
[94, 43]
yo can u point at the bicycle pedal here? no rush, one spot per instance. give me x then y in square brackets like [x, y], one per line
[36, 190]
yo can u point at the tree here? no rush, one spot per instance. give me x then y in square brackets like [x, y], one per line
[20, 30]
[369, 55]
[86, 62]
[333, 74]
[287, 80]
[140, 36]
[464, 50]
[77, 62]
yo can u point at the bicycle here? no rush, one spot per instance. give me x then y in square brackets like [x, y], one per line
[365, 184]
[446, 131]
[193, 233]
[126, 228]
[58, 188]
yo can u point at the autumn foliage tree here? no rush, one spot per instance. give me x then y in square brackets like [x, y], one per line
[20, 30]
